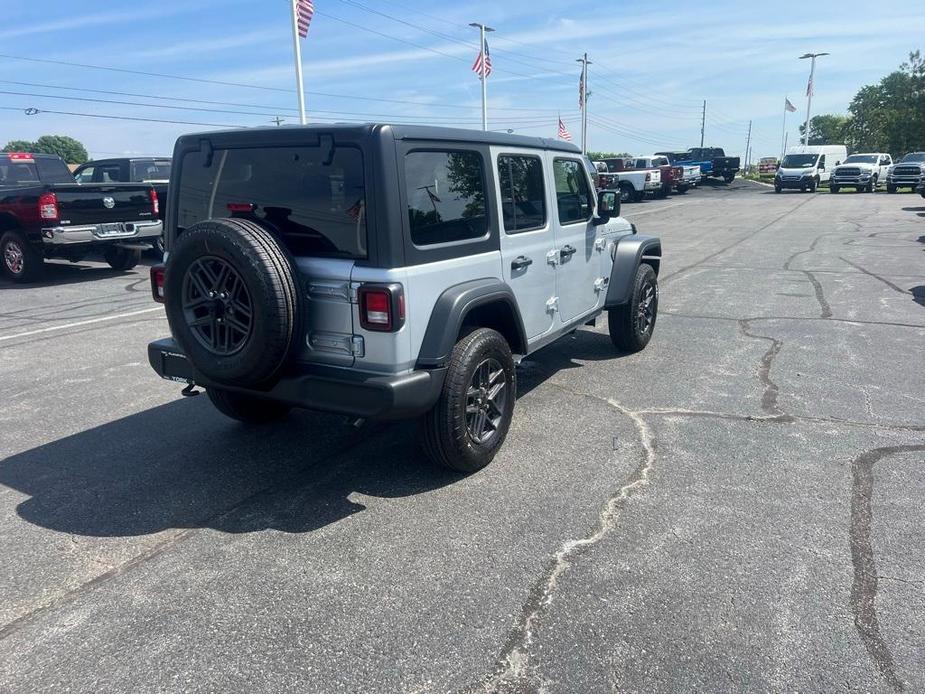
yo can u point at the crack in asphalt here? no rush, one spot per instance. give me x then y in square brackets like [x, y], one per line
[511, 669]
[672, 275]
[876, 277]
[771, 390]
[825, 309]
[851, 321]
[864, 586]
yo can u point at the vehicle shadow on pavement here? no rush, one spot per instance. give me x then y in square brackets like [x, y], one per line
[183, 465]
[57, 274]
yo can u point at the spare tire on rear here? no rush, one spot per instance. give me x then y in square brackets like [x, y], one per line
[233, 301]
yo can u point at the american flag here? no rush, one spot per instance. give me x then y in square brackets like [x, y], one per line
[564, 134]
[788, 106]
[481, 61]
[305, 9]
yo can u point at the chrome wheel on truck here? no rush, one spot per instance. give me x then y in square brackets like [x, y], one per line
[18, 259]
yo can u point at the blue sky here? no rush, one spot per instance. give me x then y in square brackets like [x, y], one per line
[653, 64]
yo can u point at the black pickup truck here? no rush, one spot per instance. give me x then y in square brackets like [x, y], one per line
[723, 167]
[153, 170]
[45, 213]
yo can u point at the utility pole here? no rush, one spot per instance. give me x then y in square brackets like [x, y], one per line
[809, 90]
[748, 144]
[703, 122]
[482, 76]
[279, 121]
[583, 98]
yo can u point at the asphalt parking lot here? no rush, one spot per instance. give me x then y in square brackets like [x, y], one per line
[738, 507]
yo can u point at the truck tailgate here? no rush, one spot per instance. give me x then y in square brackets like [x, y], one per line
[101, 203]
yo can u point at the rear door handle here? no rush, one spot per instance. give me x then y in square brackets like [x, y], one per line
[520, 262]
[567, 252]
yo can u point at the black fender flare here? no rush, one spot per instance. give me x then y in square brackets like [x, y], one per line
[449, 315]
[629, 252]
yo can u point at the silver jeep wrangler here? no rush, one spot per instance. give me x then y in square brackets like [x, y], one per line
[384, 271]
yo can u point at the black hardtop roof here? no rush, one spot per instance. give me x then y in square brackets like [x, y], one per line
[103, 159]
[398, 132]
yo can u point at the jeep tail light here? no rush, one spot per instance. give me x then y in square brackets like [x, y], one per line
[155, 203]
[48, 206]
[382, 307]
[157, 283]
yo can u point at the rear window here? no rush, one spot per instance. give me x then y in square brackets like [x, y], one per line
[446, 197]
[317, 208]
[38, 170]
[151, 170]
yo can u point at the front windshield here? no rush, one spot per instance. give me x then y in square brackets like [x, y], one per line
[862, 159]
[914, 156]
[799, 161]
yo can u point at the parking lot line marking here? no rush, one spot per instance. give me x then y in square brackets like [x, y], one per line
[80, 323]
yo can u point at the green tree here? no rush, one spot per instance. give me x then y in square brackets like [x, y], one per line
[69, 149]
[826, 129]
[19, 146]
[890, 116]
[598, 156]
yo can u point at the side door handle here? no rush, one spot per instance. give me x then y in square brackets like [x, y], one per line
[520, 262]
[567, 252]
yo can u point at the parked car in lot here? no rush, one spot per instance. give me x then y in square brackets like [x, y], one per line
[44, 213]
[861, 172]
[692, 174]
[631, 184]
[152, 170]
[767, 166]
[672, 176]
[302, 272]
[685, 159]
[804, 167]
[720, 166]
[908, 172]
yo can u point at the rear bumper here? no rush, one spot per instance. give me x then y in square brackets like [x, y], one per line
[93, 233]
[652, 185]
[323, 388]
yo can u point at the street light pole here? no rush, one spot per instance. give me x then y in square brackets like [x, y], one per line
[810, 87]
[482, 30]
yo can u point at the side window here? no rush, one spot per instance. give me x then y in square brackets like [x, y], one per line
[446, 197]
[884, 161]
[86, 175]
[573, 195]
[523, 196]
[111, 173]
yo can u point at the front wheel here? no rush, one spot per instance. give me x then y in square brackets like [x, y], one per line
[246, 408]
[20, 261]
[470, 420]
[872, 186]
[890, 188]
[777, 188]
[833, 189]
[122, 259]
[631, 325]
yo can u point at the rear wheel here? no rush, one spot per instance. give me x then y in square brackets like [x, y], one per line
[777, 188]
[729, 178]
[626, 192]
[631, 325]
[682, 188]
[19, 260]
[813, 184]
[122, 258]
[245, 407]
[470, 420]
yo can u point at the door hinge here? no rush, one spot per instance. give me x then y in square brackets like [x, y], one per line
[552, 305]
[600, 283]
[600, 244]
[358, 346]
[553, 257]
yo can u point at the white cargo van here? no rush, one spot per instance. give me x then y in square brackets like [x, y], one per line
[804, 167]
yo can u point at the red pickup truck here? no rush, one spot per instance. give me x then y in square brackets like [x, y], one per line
[45, 213]
[672, 176]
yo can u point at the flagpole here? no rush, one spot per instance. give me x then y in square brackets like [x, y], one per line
[484, 81]
[783, 132]
[810, 88]
[298, 61]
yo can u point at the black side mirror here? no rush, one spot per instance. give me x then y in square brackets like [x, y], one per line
[608, 205]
